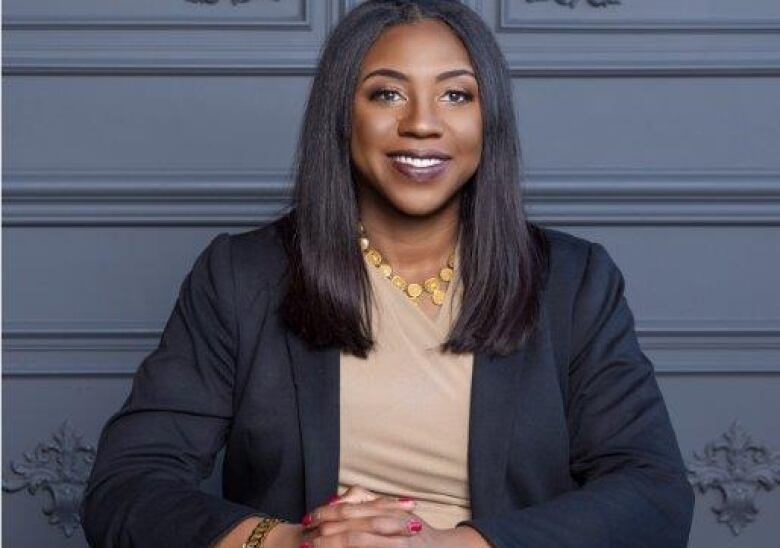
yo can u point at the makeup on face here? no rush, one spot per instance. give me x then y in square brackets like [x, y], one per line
[416, 164]
[419, 165]
[416, 128]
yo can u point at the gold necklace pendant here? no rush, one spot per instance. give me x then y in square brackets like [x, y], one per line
[431, 286]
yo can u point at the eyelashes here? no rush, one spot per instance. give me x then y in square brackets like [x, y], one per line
[382, 94]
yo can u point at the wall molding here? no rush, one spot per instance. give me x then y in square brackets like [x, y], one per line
[277, 60]
[111, 348]
[194, 46]
[506, 21]
[197, 20]
[509, 22]
[711, 347]
[69, 47]
[574, 3]
[208, 197]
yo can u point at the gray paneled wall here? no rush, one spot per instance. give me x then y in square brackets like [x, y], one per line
[135, 131]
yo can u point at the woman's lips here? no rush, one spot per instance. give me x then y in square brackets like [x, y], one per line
[420, 174]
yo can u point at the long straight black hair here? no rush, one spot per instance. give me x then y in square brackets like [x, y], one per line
[503, 255]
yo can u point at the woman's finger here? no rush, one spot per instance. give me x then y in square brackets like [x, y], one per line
[356, 539]
[390, 523]
[353, 495]
[341, 512]
[358, 494]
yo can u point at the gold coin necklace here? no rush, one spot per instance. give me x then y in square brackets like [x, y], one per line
[431, 286]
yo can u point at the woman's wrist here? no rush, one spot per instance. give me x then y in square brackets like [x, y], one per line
[284, 535]
[238, 535]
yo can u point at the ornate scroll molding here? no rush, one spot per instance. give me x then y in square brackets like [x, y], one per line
[573, 3]
[738, 467]
[60, 468]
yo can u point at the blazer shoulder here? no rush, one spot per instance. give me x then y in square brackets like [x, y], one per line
[579, 269]
[259, 255]
[567, 253]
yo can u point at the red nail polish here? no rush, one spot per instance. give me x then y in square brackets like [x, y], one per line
[307, 520]
[333, 499]
[405, 499]
[414, 526]
[304, 545]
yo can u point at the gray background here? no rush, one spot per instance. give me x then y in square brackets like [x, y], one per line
[135, 131]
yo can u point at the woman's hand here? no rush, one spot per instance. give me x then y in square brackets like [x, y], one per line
[362, 518]
[359, 518]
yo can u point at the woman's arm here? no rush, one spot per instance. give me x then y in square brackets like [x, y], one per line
[154, 452]
[623, 452]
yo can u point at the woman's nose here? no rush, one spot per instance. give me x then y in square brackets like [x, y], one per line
[420, 119]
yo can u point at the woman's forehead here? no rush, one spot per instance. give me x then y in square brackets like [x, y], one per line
[425, 46]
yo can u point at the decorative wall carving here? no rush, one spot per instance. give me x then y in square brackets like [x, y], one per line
[61, 469]
[573, 3]
[738, 467]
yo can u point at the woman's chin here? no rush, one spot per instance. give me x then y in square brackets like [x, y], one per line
[412, 202]
[420, 208]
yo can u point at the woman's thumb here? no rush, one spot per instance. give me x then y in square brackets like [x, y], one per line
[357, 494]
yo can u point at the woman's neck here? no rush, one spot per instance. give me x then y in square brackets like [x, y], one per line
[416, 247]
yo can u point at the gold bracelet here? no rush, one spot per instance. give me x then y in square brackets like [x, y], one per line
[261, 531]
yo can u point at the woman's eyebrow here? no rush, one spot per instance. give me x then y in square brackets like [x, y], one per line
[401, 76]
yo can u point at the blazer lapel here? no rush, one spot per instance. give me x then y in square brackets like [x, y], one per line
[495, 385]
[316, 377]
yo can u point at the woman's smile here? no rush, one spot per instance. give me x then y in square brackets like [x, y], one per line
[420, 167]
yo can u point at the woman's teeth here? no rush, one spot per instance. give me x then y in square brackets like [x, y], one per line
[418, 162]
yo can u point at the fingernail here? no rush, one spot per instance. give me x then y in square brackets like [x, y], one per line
[414, 526]
[304, 545]
[333, 499]
[307, 520]
[407, 500]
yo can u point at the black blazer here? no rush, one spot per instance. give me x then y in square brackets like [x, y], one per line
[570, 442]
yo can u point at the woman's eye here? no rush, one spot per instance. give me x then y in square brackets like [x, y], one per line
[460, 96]
[384, 94]
[391, 95]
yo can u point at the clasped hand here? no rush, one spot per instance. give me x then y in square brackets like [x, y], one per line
[360, 518]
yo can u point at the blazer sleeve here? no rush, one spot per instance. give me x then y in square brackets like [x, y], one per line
[632, 488]
[154, 452]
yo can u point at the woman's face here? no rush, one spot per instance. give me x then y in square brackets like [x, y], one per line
[416, 121]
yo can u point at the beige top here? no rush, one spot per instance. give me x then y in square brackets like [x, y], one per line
[405, 409]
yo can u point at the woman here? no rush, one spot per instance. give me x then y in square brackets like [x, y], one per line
[403, 333]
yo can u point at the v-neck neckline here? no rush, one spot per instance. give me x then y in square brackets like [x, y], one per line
[439, 323]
